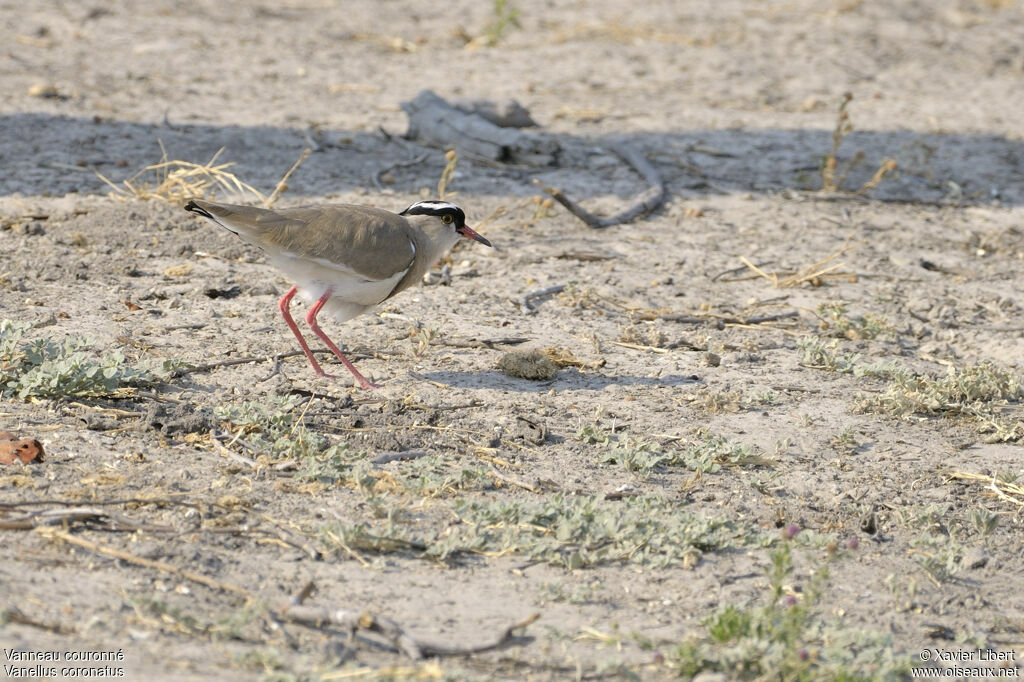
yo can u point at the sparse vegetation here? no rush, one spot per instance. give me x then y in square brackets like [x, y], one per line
[506, 18]
[836, 322]
[69, 368]
[971, 392]
[974, 392]
[789, 637]
[275, 431]
[832, 175]
[572, 532]
[707, 454]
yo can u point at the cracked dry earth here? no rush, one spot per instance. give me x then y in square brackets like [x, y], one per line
[712, 406]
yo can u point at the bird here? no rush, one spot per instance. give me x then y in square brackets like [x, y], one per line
[344, 258]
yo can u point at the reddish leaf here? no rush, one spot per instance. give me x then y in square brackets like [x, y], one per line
[26, 450]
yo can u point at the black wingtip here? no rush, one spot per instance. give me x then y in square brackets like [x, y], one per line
[193, 207]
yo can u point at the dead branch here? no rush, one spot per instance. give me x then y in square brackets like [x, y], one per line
[239, 361]
[494, 473]
[398, 164]
[291, 537]
[726, 319]
[97, 503]
[645, 202]
[13, 615]
[524, 300]
[481, 343]
[282, 185]
[97, 548]
[97, 518]
[737, 270]
[395, 634]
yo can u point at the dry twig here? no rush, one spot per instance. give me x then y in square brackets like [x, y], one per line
[1002, 490]
[524, 300]
[165, 567]
[351, 621]
[282, 185]
[642, 204]
[398, 456]
[398, 164]
[96, 518]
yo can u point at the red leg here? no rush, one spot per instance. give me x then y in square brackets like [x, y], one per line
[311, 321]
[283, 306]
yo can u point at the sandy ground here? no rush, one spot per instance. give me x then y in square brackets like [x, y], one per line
[734, 103]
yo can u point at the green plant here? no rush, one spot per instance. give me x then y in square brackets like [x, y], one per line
[845, 440]
[48, 368]
[787, 638]
[711, 452]
[506, 17]
[836, 322]
[984, 520]
[275, 429]
[970, 392]
[572, 532]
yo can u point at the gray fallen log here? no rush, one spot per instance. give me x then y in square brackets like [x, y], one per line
[435, 123]
[507, 114]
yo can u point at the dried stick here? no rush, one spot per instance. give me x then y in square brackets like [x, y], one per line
[481, 343]
[494, 473]
[13, 615]
[524, 300]
[645, 202]
[283, 184]
[725, 319]
[139, 561]
[398, 164]
[55, 517]
[395, 634]
[238, 361]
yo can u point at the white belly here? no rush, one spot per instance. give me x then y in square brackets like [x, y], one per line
[351, 295]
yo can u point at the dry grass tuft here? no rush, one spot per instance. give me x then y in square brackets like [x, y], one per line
[814, 274]
[564, 357]
[1007, 491]
[176, 181]
[447, 175]
[831, 176]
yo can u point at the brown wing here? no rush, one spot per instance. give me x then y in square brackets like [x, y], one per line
[374, 243]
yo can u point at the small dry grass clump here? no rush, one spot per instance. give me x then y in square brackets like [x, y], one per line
[644, 335]
[564, 357]
[177, 181]
[718, 402]
[528, 364]
[832, 176]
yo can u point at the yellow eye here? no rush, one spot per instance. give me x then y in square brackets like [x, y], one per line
[446, 219]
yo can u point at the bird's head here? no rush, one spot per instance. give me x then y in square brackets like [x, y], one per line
[449, 219]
